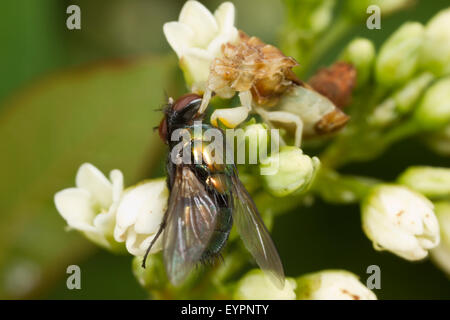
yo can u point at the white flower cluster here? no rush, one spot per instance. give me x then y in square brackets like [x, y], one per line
[197, 38]
[108, 215]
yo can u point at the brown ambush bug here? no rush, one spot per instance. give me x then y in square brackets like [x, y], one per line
[263, 77]
[205, 199]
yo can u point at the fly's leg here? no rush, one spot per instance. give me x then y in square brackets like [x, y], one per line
[284, 117]
[160, 230]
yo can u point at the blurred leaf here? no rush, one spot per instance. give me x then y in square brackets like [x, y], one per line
[100, 114]
[31, 34]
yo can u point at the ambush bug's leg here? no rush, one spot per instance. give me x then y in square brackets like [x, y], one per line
[285, 117]
[205, 100]
[160, 230]
[246, 99]
[266, 120]
[232, 117]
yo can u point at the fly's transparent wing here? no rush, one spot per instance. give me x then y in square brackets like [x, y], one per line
[254, 234]
[190, 223]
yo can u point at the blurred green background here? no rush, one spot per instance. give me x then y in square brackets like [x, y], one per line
[68, 97]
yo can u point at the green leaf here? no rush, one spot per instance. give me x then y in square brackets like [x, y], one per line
[102, 114]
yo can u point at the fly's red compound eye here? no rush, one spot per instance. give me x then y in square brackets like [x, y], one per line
[184, 101]
[162, 130]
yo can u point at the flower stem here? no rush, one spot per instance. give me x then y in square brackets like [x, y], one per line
[336, 31]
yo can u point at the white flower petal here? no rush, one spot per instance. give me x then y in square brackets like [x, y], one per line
[140, 214]
[200, 20]
[441, 257]
[93, 180]
[120, 233]
[98, 238]
[137, 244]
[75, 206]
[179, 36]
[195, 64]
[104, 222]
[116, 177]
[225, 16]
[215, 46]
[145, 199]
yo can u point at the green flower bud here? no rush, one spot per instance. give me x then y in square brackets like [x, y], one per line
[399, 56]
[443, 214]
[432, 182]
[332, 285]
[436, 48]
[402, 101]
[153, 277]
[361, 54]
[433, 111]
[400, 220]
[255, 285]
[322, 16]
[406, 97]
[255, 140]
[441, 254]
[440, 141]
[288, 171]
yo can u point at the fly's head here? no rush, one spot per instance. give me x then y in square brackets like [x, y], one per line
[178, 114]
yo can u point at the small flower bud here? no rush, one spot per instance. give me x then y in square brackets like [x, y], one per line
[139, 216]
[321, 15]
[91, 207]
[255, 285]
[432, 182]
[288, 171]
[361, 54]
[400, 220]
[441, 254]
[436, 47]
[256, 138]
[153, 276]
[433, 112]
[402, 101]
[399, 56]
[440, 141]
[408, 95]
[332, 285]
